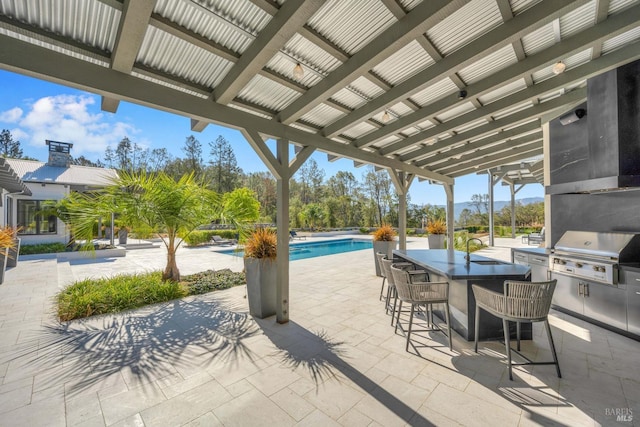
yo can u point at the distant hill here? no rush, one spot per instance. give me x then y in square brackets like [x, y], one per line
[497, 205]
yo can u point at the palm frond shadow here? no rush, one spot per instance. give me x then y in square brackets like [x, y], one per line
[148, 344]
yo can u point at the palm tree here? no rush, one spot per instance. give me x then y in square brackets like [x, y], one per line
[170, 208]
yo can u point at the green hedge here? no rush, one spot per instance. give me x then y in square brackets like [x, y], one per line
[42, 248]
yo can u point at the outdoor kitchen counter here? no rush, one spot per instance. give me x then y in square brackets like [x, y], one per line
[452, 267]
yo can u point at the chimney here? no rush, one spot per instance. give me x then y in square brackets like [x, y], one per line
[59, 154]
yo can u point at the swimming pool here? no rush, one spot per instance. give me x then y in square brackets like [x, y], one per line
[314, 249]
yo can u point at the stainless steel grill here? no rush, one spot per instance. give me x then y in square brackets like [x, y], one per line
[594, 256]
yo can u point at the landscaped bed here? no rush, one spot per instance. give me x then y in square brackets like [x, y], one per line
[128, 291]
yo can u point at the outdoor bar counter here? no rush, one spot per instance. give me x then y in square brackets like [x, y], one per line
[451, 266]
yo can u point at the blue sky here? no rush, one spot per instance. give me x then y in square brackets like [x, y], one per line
[35, 110]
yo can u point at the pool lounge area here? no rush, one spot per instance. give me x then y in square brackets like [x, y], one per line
[204, 361]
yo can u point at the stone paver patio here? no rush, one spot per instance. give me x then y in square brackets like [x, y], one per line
[202, 361]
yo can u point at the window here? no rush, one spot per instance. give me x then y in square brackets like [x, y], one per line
[32, 222]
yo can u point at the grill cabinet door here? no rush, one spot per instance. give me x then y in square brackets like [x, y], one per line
[567, 294]
[606, 303]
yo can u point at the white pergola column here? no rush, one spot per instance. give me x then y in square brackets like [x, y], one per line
[514, 191]
[493, 180]
[282, 169]
[448, 189]
[402, 181]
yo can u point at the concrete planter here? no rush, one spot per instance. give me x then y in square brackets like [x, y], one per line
[261, 286]
[122, 236]
[436, 241]
[14, 252]
[384, 247]
[98, 254]
[3, 263]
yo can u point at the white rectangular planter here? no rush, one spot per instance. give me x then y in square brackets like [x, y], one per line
[384, 247]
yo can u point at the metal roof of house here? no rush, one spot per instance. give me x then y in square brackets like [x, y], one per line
[9, 179]
[39, 172]
[231, 62]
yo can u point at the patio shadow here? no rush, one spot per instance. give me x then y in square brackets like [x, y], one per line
[146, 344]
[323, 358]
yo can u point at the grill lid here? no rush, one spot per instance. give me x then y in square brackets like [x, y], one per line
[625, 247]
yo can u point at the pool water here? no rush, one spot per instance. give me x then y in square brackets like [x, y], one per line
[315, 249]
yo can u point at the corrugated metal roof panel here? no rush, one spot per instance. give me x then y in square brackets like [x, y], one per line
[551, 95]
[455, 111]
[348, 98]
[621, 40]
[578, 59]
[386, 141]
[403, 64]
[89, 22]
[409, 5]
[578, 20]
[471, 125]
[267, 93]
[542, 74]
[503, 91]
[519, 6]
[351, 24]
[366, 88]
[539, 39]
[322, 115]
[466, 24]
[489, 64]
[513, 109]
[401, 109]
[311, 55]
[618, 5]
[434, 92]
[233, 24]
[359, 130]
[38, 40]
[175, 56]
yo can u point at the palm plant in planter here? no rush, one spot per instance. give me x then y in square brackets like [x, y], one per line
[437, 230]
[260, 269]
[384, 240]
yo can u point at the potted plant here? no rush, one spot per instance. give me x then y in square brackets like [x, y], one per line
[437, 230]
[7, 243]
[260, 269]
[14, 251]
[383, 241]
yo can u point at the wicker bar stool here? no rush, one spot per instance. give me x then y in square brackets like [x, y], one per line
[520, 302]
[418, 275]
[381, 256]
[420, 293]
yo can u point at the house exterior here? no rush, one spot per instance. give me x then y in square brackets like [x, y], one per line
[48, 182]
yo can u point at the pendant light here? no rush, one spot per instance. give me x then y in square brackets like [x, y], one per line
[559, 67]
[298, 71]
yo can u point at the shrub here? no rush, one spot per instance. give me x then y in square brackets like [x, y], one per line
[124, 292]
[384, 234]
[364, 230]
[210, 280]
[436, 227]
[42, 248]
[110, 295]
[261, 244]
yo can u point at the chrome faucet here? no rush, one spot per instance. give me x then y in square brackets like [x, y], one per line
[468, 256]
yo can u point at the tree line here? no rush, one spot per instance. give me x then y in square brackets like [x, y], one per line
[342, 200]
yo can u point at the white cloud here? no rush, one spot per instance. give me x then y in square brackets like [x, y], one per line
[11, 116]
[69, 118]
